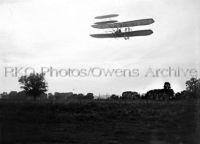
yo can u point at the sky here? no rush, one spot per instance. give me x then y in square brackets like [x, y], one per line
[56, 34]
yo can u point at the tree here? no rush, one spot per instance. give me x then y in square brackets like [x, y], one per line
[167, 93]
[114, 97]
[193, 86]
[89, 96]
[34, 84]
[129, 95]
[167, 86]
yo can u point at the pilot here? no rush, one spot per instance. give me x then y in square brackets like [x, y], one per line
[118, 31]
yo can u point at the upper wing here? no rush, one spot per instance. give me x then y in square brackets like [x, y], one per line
[106, 16]
[124, 34]
[125, 24]
[106, 22]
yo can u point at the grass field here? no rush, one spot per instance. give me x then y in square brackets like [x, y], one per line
[98, 122]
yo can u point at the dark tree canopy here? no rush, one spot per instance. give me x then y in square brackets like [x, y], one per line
[89, 96]
[34, 84]
[128, 95]
[193, 86]
[114, 97]
[167, 86]
[167, 93]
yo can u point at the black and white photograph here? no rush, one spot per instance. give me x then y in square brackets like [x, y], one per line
[99, 72]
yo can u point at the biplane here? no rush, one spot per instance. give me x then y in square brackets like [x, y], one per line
[121, 29]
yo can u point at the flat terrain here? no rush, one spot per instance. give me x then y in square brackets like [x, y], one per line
[99, 122]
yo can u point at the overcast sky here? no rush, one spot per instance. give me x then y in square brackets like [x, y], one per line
[44, 33]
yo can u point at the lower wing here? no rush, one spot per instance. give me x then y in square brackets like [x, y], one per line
[124, 34]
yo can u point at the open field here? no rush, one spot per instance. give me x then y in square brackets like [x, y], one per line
[95, 122]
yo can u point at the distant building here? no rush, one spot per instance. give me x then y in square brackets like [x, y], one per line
[4, 95]
[62, 96]
[13, 95]
[50, 96]
[43, 96]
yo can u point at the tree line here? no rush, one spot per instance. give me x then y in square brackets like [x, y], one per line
[35, 86]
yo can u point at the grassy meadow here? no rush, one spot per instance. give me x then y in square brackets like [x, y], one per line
[99, 121]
